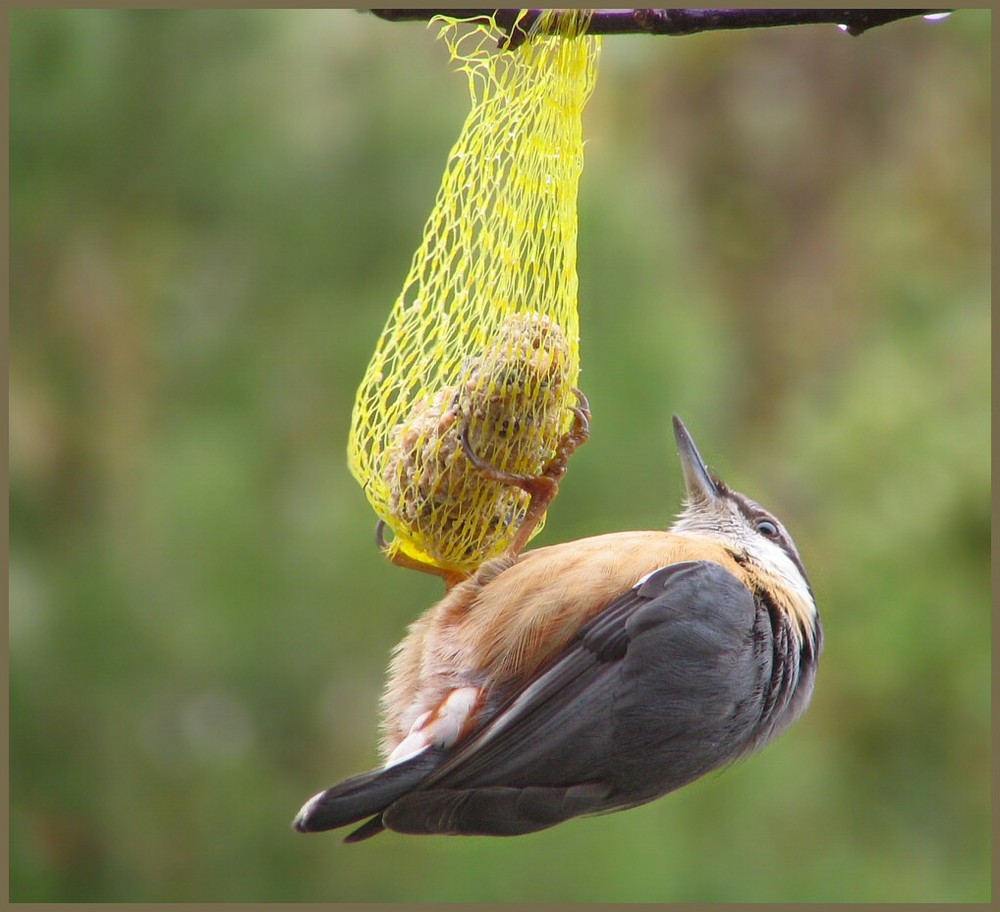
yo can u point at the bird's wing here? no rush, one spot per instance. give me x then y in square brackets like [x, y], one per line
[554, 750]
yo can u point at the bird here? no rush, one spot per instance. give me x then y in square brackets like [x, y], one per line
[591, 676]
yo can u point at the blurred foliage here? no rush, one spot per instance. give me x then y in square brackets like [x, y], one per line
[784, 238]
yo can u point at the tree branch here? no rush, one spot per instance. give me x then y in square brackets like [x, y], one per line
[672, 21]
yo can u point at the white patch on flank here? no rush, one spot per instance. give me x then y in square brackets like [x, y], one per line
[452, 715]
[443, 728]
[410, 746]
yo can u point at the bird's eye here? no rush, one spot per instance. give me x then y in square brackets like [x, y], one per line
[767, 528]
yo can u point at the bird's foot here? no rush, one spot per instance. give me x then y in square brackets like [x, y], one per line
[543, 487]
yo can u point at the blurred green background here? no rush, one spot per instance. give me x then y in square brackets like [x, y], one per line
[784, 238]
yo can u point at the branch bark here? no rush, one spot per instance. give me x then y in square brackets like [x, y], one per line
[671, 21]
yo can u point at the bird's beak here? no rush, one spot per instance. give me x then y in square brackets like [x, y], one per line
[700, 485]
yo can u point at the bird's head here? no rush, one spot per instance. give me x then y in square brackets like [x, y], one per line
[753, 535]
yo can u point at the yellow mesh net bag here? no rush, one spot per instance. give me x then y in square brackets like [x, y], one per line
[483, 340]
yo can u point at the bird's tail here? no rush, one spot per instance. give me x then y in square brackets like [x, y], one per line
[364, 795]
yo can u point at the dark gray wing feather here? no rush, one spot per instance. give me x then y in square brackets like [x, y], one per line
[367, 793]
[491, 810]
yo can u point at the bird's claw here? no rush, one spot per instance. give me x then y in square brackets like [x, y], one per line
[543, 487]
